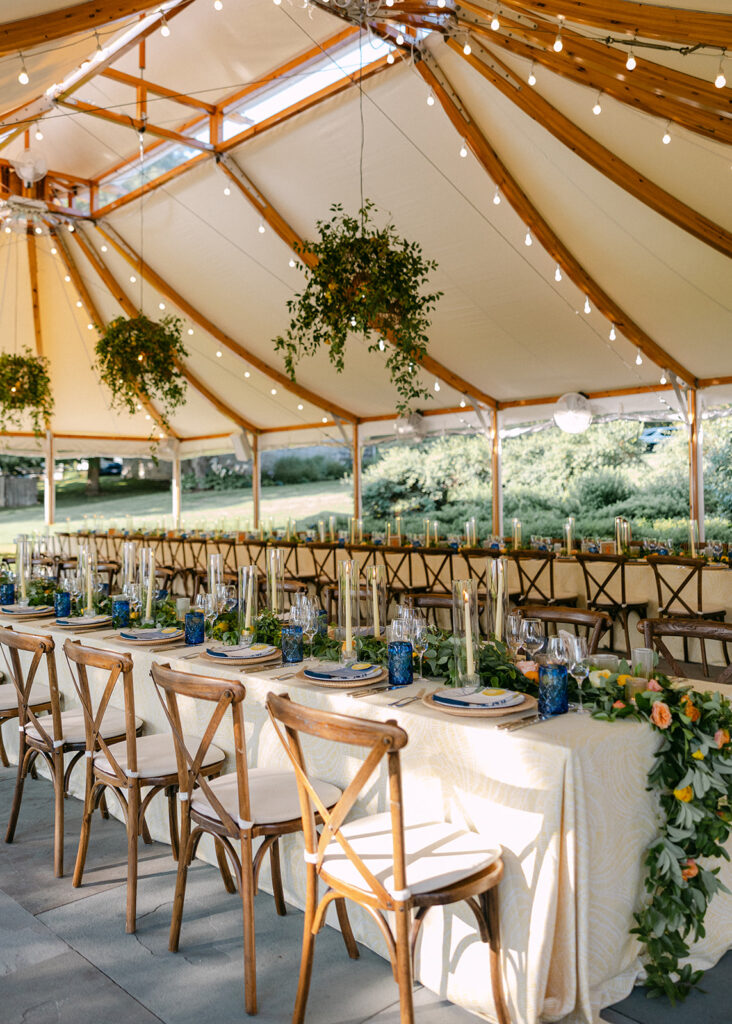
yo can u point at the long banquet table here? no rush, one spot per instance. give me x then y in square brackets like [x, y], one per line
[566, 800]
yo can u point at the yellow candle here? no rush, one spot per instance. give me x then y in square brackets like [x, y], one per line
[388, 534]
[499, 600]
[353, 528]
[250, 584]
[89, 605]
[426, 533]
[150, 586]
[399, 530]
[21, 571]
[436, 537]
[377, 626]
[360, 531]
[470, 666]
[349, 624]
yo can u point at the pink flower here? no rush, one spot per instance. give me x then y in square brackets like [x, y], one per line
[661, 715]
[619, 704]
[721, 737]
[653, 684]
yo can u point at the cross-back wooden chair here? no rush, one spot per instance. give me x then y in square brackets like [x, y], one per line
[398, 562]
[51, 736]
[605, 590]
[656, 631]
[380, 862]
[10, 709]
[236, 808]
[437, 569]
[125, 767]
[536, 579]
[594, 622]
[679, 581]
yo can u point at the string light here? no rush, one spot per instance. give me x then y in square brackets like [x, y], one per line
[325, 419]
[218, 5]
[497, 197]
[463, 403]
[190, 330]
[273, 391]
[663, 376]
[437, 385]
[440, 3]
[558, 43]
[227, 190]
[261, 229]
[495, 23]
[463, 150]
[597, 109]
[612, 335]
[8, 229]
[389, 56]
[66, 278]
[557, 273]
[382, 346]
[164, 27]
[292, 263]
[38, 133]
[430, 99]
[400, 40]
[161, 305]
[631, 63]
[39, 229]
[104, 248]
[467, 49]
[247, 373]
[277, 2]
[532, 77]
[666, 135]
[528, 240]
[90, 327]
[71, 228]
[78, 303]
[300, 406]
[54, 251]
[23, 76]
[638, 358]
[132, 279]
[219, 354]
[587, 307]
[720, 81]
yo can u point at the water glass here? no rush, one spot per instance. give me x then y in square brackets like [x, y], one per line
[513, 633]
[61, 602]
[532, 635]
[420, 637]
[291, 644]
[194, 627]
[606, 662]
[553, 691]
[120, 612]
[401, 669]
[578, 661]
[643, 662]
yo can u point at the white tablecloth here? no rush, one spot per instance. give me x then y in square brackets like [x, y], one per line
[566, 799]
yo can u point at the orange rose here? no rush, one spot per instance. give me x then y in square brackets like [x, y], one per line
[619, 704]
[661, 715]
[689, 709]
[691, 870]
[721, 737]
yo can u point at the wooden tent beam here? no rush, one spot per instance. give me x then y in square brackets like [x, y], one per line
[28, 33]
[540, 228]
[35, 300]
[131, 310]
[207, 325]
[158, 90]
[291, 238]
[95, 317]
[668, 24]
[127, 121]
[150, 186]
[592, 151]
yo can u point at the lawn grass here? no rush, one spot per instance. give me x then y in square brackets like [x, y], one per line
[147, 501]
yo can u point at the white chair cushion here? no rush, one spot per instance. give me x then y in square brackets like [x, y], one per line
[9, 696]
[72, 725]
[272, 796]
[155, 755]
[436, 854]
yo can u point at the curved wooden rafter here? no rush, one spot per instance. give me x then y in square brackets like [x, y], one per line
[131, 310]
[597, 155]
[27, 33]
[539, 227]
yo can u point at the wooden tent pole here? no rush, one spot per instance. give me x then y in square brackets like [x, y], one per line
[496, 483]
[256, 483]
[33, 272]
[696, 470]
[356, 473]
[49, 483]
[26, 33]
[176, 488]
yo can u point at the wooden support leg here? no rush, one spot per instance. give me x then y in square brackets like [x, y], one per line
[184, 859]
[23, 756]
[228, 881]
[490, 904]
[247, 902]
[172, 795]
[308, 946]
[85, 826]
[3, 756]
[345, 924]
[103, 809]
[404, 966]
[133, 817]
[274, 861]
[58, 825]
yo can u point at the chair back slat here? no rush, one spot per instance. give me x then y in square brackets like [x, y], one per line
[599, 572]
[595, 622]
[40, 648]
[437, 567]
[225, 695]
[536, 581]
[671, 593]
[382, 740]
[655, 630]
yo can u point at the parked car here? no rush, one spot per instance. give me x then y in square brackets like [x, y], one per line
[110, 467]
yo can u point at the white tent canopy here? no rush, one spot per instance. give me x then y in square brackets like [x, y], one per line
[505, 329]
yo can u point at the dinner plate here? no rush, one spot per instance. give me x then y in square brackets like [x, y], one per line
[266, 655]
[84, 622]
[346, 673]
[155, 637]
[377, 675]
[26, 610]
[488, 697]
[528, 704]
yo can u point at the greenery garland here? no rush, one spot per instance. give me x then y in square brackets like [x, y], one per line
[138, 358]
[25, 387]
[366, 280]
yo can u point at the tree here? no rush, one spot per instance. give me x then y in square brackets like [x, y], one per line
[93, 487]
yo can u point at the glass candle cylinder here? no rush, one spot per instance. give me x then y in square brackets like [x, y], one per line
[426, 524]
[618, 535]
[376, 598]
[120, 612]
[435, 530]
[248, 585]
[348, 608]
[693, 537]
[332, 536]
[398, 530]
[516, 534]
[215, 571]
[22, 566]
[626, 535]
[643, 662]
[569, 527]
[466, 636]
[359, 526]
[129, 562]
[401, 663]
[291, 644]
[276, 580]
[194, 627]
[87, 575]
[61, 603]
[147, 584]
[553, 692]
[497, 577]
[321, 531]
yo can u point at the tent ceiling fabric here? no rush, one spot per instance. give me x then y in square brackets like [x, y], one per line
[504, 324]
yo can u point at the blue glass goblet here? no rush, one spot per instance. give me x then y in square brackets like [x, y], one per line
[194, 628]
[291, 644]
[62, 604]
[401, 666]
[553, 691]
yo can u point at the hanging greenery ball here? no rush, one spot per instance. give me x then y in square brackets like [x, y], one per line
[366, 280]
[25, 388]
[139, 358]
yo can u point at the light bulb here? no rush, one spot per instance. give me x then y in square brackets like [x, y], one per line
[292, 263]
[597, 109]
[663, 378]
[300, 406]
[325, 419]
[90, 327]
[495, 23]
[463, 150]
[8, 229]
[389, 3]
[39, 133]
[277, 2]
[631, 62]
[247, 373]
[190, 330]
[612, 335]
[164, 27]
[720, 81]
[104, 248]
[390, 58]
[437, 385]
[219, 354]
[440, 3]
[558, 44]
[71, 228]
[400, 40]
[588, 307]
[382, 346]
[66, 278]
[261, 229]
[557, 273]
[273, 391]
[161, 305]
[78, 303]
[227, 191]
[39, 229]
[218, 5]
[532, 77]
[467, 49]
[666, 137]
[132, 278]
[140, 357]
[497, 197]
[23, 76]
[54, 251]
[462, 403]
[528, 240]
[639, 358]
[430, 99]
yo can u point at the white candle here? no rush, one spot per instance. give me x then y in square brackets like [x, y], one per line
[470, 666]
[360, 531]
[388, 534]
[349, 624]
[250, 585]
[436, 537]
[399, 530]
[377, 625]
[150, 586]
[499, 600]
[21, 572]
[353, 528]
[89, 605]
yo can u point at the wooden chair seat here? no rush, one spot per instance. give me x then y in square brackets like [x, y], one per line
[657, 631]
[436, 854]
[9, 696]
[678, 611]
[73, 730]
[155, 757]
[273, 796]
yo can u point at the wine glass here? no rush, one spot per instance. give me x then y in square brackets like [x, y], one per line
[532, 635]
[207, 604]
[556, 651]
[513, 633]
[309, 620]
[578, 661]
[419, 637]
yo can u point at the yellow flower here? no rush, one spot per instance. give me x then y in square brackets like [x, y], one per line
[684, 795]
[698, 755]
[623, 679]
